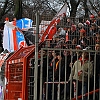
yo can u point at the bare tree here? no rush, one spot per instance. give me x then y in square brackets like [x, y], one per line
[6, 8]
[28, 8]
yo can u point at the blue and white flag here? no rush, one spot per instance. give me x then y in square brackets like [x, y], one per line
[12, 39]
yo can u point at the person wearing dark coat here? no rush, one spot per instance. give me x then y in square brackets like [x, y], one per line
[83, 41]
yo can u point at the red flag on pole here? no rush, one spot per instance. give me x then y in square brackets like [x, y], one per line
[52, 32]
[48, 33]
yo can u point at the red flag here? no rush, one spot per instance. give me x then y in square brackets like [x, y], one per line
[53, 23]
[66, 36]
[52, 32]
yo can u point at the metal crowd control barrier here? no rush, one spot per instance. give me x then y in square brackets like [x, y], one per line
[62, 88]
[18, 75]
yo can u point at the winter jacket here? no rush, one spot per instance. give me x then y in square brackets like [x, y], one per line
[83, 68]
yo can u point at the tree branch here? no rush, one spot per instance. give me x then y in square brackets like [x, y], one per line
[93, 6]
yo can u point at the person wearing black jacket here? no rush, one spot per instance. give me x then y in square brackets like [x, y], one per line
[97, 71]
[83, 41]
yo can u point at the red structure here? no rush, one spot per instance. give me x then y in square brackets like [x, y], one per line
[17, 72]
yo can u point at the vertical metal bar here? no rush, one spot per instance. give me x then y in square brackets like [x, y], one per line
[47, 78]
[94, 75]
[71, 80]
[58, 93]
[83, 79]
[36, 56]
[88, 76]
[65, 76]
[77, 79]
[53, 80]
[41, 74]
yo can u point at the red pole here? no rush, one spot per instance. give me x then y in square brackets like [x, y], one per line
[79, 97]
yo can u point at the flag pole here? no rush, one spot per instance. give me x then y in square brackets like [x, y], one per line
[36, 56]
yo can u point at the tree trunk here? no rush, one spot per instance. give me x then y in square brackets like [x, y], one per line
[73, 8]
[18, 9]
[3, 10]
[86, 9]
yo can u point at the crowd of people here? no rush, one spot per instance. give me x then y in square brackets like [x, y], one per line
[78, 65]
[85, 33]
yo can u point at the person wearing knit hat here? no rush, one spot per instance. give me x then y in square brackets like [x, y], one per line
[83, 40]
[87, 26]
[80, 25]
[92, 16]
[92, 19]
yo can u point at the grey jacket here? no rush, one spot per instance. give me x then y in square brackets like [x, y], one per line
[86, 69]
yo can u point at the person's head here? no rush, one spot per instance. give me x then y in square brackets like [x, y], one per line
[59, 55]
[14, 19]
[53, 53]
[80, 25]
[98, 33]
[74, 41]
[92, 17]
[6, 19]
[73, 27]
[44, 53]
[97, 47]
[85, 55]
[58, 28]
[93, 26]
[69, 29]
[57, 39]
[68, 19]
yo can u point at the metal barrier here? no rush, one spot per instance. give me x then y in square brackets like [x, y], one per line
[69, 74]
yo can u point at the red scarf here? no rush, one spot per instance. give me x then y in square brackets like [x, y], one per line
[83, 61]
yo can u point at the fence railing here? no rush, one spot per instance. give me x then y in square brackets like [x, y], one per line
[68, 74]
